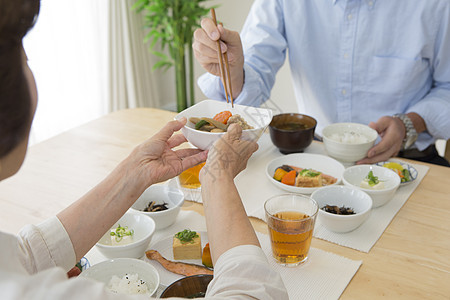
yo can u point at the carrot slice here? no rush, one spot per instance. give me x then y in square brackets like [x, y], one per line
[223, 116]
[289, 178]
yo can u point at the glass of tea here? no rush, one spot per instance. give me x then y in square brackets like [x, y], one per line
[291, 219]
[190, 178]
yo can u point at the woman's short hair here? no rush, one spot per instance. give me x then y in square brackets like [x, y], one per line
[16, 18]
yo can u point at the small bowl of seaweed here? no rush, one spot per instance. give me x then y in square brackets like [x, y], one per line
[341, 208]
[188, 287]
[292, 132]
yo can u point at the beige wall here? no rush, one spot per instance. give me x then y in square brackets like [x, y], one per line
[233, 14]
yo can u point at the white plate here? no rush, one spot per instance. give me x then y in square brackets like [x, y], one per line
[164, 247]
[412, 171]
[321, 163]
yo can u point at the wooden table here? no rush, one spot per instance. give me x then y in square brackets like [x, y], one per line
[411, 259]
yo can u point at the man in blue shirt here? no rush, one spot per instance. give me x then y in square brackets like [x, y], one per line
[382, 63]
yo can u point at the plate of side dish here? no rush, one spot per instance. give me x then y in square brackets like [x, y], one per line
[406, 171]
[305, 172]
[165, 248]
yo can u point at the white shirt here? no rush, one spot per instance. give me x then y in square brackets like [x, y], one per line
[33, 265]
[351, 61]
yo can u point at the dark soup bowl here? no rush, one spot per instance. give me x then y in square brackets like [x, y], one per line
[188, 287]
[292, 132]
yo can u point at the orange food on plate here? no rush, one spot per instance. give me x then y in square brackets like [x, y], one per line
[289, 178]
[223, 116]
[206, 257]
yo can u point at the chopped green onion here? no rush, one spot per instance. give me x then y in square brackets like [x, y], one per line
[186, 236]
[371, 179]
[309, 173]
[120, 232]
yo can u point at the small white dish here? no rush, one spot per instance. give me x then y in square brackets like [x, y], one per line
[160, 194]
[321, 163]
[345, 196]
[259, 118]
[104, 271]
[346, 151]
[353, 176]
[412, 171]
[143, 228]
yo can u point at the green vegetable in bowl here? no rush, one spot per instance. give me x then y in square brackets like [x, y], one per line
[372, 179]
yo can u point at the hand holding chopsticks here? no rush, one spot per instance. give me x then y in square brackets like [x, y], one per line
[224, 68]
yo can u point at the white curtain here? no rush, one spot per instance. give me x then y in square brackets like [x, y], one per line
[88, 58]
[131, 82]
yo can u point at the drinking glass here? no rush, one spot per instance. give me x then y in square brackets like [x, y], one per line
[291, 219]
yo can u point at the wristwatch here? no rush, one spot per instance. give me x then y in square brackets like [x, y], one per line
[411, 133]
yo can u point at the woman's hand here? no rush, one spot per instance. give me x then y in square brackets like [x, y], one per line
[228, 156]
[155, 160]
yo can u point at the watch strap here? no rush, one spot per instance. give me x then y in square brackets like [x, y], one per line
[411, 133]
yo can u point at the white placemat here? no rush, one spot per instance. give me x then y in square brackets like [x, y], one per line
[362, 239]
[323, 276]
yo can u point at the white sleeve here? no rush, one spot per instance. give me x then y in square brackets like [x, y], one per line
[244, 273]
[45, 246]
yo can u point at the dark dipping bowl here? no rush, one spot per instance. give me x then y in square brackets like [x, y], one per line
[188, 287]
[292, 132]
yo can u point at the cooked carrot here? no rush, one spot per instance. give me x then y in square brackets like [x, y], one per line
[223, 116]
[289, 178]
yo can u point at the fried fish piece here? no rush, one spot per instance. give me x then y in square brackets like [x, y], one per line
[178, 267]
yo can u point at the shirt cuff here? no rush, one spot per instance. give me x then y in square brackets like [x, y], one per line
[58, 243]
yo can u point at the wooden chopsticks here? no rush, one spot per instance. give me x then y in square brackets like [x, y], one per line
[224, 69]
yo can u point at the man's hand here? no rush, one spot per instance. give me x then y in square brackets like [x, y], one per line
[392, 132]
[155, 160]
[205, 51]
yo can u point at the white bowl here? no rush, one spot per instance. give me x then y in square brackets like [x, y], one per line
[104, 271]
[160, 194]
[143, 227]
[321, 163]
[343, 196]
[259, 118]
[348, 152]
[353, 176]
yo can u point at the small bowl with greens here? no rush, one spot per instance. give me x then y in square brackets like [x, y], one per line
[128, 237]
[379, 182]
[406, 172]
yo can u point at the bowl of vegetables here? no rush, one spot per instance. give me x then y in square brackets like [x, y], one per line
[342, 208]
[406, 172]
[208, 120]
[162, 203]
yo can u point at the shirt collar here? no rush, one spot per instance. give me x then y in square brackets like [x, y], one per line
[369, 3]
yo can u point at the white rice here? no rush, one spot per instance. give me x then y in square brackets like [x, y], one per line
[349, 137]
[130, 284]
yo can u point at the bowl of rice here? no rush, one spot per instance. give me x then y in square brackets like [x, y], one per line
[348, 142]
[128, 276]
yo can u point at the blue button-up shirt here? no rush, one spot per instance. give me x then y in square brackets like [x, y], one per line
[351, 60]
